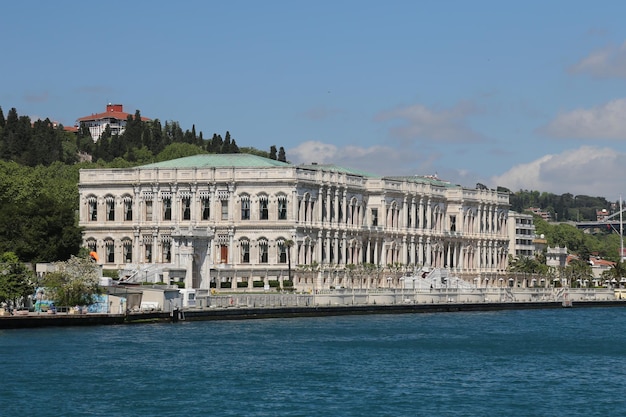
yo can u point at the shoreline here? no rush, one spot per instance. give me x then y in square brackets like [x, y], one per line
[36, 320]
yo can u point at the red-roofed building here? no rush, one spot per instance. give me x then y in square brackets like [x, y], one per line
[114, 116]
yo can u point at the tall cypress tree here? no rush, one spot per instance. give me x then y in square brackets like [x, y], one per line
[281, 155]
[226, 145]
[2, 120]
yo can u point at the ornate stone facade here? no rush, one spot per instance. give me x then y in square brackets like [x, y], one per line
[242, 221]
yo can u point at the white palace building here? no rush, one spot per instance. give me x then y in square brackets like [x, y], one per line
[243, 221]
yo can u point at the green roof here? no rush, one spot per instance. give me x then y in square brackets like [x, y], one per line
[420, 179]
[230, 160]
[337, 168]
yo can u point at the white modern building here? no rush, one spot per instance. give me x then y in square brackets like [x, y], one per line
[522, 234]
[243, 221]
[114, 117]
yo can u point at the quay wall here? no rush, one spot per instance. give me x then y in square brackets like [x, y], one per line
[35, 320]
[274, 305]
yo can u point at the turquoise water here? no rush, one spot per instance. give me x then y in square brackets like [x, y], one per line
[563, 362]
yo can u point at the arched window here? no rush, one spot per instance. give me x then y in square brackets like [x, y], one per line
[92, 202]
[110, 208]
[263, 251]
[91, 245]
[205, 201]
[282, 207]
[127, 246]
[128, 208]
[245, 207]
[263, 207]
[166, 249]
[109, 249]
[167, 206]
[185, 203]
[244, 245]
[281, 251]
[147, 248]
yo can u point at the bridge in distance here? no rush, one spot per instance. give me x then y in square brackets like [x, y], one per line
[609, 223]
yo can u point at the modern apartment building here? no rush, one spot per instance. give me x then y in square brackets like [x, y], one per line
[522, 235]
[239, 220]
[114, 117]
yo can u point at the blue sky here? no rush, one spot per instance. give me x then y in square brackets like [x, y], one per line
[527, 95]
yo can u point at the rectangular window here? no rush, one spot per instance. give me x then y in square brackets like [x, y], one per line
[128, 210]
[374, 217]
[167, 252]
[149, 211]
[148, 256]
[186, 203]
[224, 209]
[245, 209]
[224, 254]
[167, 208]
[453, 223]
[206, 212]
[282, 253]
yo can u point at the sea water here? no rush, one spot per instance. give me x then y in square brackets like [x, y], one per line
[560, 362]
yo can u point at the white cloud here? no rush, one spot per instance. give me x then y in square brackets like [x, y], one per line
[587, 170]
[378, 160]
[607, 121]
[418, 122]
[606, 62]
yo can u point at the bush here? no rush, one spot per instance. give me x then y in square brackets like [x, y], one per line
[111, 273]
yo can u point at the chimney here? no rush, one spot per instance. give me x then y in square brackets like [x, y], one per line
[115, 108]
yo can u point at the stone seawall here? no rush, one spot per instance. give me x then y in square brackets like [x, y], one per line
[249, 313]
[34, 320]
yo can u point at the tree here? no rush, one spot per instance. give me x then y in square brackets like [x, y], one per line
[578, 271]
[179, 150]
[226, 144]
[215, 144]
[75, 282]
[617, 272]
[273, 152]
[16, 280]
[281, 155]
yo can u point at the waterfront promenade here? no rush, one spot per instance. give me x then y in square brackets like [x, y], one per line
[241, 306]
